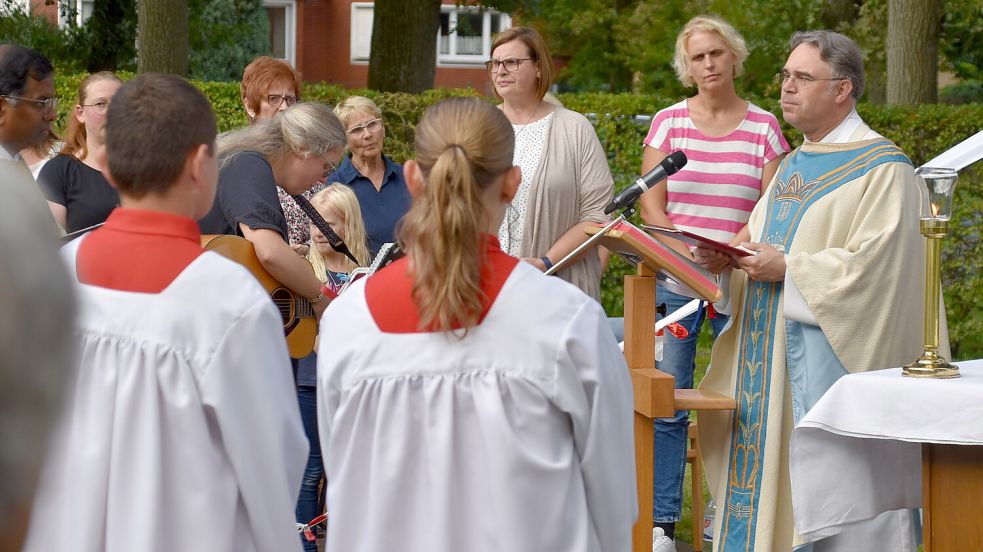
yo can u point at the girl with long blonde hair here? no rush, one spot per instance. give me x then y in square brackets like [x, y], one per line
[489, 399]
[338, 207]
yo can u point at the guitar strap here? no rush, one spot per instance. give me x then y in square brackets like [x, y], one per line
[333, 239]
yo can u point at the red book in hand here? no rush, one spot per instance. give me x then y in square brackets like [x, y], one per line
[698, 240]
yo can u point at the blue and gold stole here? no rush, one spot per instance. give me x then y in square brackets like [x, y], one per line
[804, 178]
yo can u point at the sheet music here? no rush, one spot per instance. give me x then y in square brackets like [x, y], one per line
[388, 253]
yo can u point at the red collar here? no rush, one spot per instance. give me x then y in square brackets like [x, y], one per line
[138, 250]
[389, 292]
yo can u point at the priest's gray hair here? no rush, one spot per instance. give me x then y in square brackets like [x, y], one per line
[36, 326]
[841, 53]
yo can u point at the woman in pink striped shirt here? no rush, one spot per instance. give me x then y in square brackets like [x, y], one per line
[733, 149]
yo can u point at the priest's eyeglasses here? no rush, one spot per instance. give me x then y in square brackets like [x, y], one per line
[276, 99]
[47, 104]
[804, 81]
[511, 65]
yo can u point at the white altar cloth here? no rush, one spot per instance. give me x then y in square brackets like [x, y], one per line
[857, 452]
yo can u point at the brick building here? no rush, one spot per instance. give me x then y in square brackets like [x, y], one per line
[329, 40]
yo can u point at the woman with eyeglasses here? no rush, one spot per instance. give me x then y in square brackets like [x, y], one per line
[566, 182]
[733, 149]
[269, 86]
[78, 193]
[376, 179]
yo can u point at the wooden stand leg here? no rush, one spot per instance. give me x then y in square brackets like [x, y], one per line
[644, 450]
[952, 494]
[697, 485]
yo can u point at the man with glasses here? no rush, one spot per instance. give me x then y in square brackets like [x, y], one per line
[27, 99]
[829, 291]
[27, 108]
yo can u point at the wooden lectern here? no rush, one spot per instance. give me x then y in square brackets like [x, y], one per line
[655, 393]
[952, 495]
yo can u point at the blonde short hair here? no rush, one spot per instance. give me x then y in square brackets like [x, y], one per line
[355, 104]
[710, 24]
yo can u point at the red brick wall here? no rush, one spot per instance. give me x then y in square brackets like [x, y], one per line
[324, 50]
[49, 12]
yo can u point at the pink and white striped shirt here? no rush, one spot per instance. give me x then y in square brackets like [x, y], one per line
[713, 195]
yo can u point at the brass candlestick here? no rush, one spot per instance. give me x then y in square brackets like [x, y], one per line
[941, 185]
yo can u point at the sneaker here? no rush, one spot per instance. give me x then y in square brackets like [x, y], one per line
[660, 542]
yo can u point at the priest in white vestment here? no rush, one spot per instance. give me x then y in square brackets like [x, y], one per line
[181, 431]
[836, 286]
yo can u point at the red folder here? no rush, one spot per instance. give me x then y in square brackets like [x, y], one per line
[696, 239]
[638, 246]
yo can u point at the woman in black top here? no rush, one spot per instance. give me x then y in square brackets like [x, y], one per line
[78, 193]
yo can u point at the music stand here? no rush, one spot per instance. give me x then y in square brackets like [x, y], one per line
[654, 391]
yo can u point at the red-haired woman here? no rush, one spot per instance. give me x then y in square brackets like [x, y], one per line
[78, 193]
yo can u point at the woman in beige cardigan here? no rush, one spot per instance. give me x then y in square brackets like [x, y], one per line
[566, 181]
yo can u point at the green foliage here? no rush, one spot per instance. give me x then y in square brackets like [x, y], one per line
[962, 93]
[922, 131]
[107, 40]
[225, 36]
[962, 38]
[627, 45]
[58, 45]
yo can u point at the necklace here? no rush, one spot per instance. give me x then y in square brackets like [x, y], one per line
[525, 125]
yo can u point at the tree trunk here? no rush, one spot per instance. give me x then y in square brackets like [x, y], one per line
[404, 45]
[912, 46]
[163, 36]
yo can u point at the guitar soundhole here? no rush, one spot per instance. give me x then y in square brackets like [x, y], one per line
[284, 302]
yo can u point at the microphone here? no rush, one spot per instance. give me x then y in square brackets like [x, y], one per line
[670, 165]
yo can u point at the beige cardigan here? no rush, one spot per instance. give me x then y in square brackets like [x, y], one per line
[572, 184]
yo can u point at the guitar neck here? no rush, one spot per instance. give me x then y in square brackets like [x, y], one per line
[334, 240]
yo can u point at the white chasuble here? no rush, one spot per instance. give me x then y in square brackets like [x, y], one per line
[846, 215]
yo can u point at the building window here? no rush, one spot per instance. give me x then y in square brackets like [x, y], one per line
[361, 31]
[282, 15]
[83, 11]
[464, 38]
[467, 33]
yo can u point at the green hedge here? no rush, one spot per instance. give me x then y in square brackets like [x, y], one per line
[922, 132]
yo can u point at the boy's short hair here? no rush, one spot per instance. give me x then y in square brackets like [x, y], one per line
[154, 122]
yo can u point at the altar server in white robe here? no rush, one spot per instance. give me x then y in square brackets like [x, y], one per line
[467, 401]
[836, 287]
[182, 431]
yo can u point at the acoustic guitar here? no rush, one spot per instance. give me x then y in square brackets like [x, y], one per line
[299, 323]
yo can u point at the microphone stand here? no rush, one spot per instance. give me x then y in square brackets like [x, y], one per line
[568, 259]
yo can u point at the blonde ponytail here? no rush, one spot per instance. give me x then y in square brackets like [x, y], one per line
[462, 145]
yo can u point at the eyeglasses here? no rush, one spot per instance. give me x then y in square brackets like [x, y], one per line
[47, 104]
[275, 100]
[804, 81]
[99, 108]
[511, 65]
[371, 125]
[330, 171]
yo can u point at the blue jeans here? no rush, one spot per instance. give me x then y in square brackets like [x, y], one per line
[307, 502]
[679, 360]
